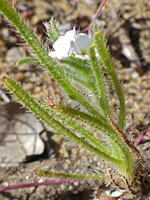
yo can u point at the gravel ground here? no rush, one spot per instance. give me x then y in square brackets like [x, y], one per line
[127, 27]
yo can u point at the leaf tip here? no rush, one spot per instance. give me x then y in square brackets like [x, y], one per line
[4, 79]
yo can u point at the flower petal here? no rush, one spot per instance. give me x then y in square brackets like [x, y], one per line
[70, 43]
[82, 41]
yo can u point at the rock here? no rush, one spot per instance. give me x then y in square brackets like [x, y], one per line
[19, 134]
[14, 54]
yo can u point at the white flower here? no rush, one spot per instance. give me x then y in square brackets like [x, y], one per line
[71, 43]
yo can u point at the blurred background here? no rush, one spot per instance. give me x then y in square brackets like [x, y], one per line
[27, 144]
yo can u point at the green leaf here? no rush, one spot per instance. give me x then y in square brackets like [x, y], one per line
[90, 73]
[70, 176]
[78, 66]
[100, 92]
[44, 59]
[81, 131]
[28, 61]
[42, 114]
[52, 30]
[104, 56]
[117, 143]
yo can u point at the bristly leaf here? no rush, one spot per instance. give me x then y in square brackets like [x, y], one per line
[116, 142]
[28, 61]
[70, 176]
[81, 131]
[78, 71]
[44, 59]
[52, 30]
[99, 42]
[90, 74]
[78, 66]
[99, 82]
[42, 114]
